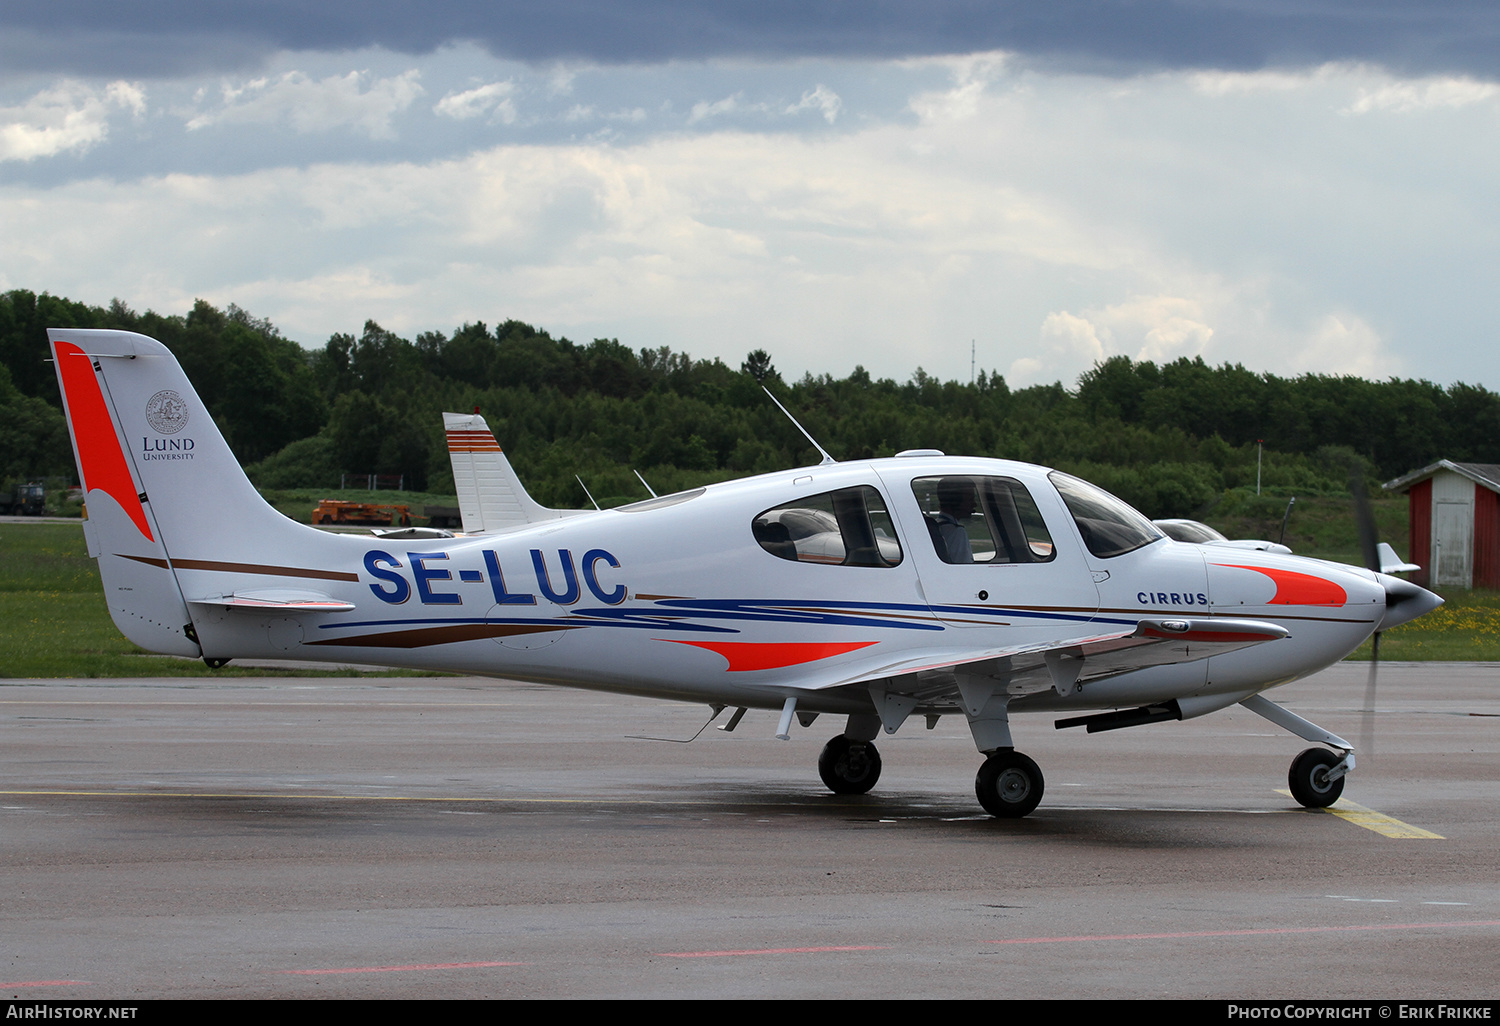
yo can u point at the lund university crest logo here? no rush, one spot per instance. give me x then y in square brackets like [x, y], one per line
[166, 412]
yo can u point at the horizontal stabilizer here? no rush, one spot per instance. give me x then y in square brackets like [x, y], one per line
[279, 598]
[410, 533]
[1390, 563]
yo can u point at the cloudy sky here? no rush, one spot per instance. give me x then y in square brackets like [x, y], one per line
[1295, 185]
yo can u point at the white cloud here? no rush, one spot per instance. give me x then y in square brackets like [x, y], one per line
[127, 94]
[560, 80]
[1074, 339]
[1158, 328]
[961, 103]
[821, 99]
[1372, 88]
[1344, 344]
[971, 75]
[68, 116]
[493, 99]
[1423, 94]
[1056, 219]
[1243, 83]
[703, 109]
[355, 100]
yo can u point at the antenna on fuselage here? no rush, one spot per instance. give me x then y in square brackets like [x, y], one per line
[642, 480]
[586, 491]
[826, 458]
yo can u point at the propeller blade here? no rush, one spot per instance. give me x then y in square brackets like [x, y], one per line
[1364, 519]
[1367, 727]
[1369, 542]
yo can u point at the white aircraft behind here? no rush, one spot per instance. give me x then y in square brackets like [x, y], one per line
[874, 590]
[1201, 534]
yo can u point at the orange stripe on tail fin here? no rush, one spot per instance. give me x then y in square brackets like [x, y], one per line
[101, 462]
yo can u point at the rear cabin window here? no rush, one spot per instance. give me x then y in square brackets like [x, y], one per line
[982, 520]
[849, 527]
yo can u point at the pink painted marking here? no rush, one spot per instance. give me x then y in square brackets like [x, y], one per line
[768, 951]
[1241, 933]
[397, 968]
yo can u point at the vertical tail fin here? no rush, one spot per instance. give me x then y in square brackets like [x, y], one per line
[490, 495]
[172, 518]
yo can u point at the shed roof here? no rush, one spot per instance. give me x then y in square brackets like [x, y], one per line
[1487, 474]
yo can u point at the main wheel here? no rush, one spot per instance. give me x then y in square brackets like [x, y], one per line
[1009, 785]
[1309, 781]
[848, 766]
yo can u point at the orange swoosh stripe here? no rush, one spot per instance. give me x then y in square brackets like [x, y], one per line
[1294, 589]
[753, 655]
[101, 461]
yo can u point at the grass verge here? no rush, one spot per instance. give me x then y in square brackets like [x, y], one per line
[1466, 629]
[53, 621]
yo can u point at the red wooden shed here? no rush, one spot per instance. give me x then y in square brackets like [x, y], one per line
[1455, 523]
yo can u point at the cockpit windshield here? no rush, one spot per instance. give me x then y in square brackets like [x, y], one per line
[1110, 527]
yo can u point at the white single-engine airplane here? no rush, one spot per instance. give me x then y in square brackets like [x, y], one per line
[876, 589]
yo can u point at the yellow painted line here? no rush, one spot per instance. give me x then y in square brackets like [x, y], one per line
[1386, 826]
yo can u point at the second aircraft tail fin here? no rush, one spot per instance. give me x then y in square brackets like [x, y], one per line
[490, 495]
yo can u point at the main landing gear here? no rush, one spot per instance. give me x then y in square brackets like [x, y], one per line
[1009, 785]
[848, 766]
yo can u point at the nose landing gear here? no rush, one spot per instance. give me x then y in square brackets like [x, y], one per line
[1315, 779]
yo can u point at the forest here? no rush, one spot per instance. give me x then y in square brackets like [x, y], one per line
[1172, 439]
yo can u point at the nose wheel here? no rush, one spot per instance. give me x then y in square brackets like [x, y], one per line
[848, 766]
[1314, 778]
[1009, 785]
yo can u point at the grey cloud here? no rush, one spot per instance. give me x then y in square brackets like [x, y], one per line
[160, 39]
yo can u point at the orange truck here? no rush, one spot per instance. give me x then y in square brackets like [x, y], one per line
[335, 511]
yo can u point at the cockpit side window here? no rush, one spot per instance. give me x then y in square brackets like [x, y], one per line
[1109, 526]
[849, 527]
[982, 520]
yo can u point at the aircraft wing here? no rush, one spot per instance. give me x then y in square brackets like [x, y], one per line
[1060, 665]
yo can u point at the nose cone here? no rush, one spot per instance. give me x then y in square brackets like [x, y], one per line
[1404, 601]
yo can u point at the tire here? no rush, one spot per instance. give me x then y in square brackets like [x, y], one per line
[1009, 785]
[1309, 781]
[849, 767]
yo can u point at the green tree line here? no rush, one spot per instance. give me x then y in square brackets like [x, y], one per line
[1171, 438]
